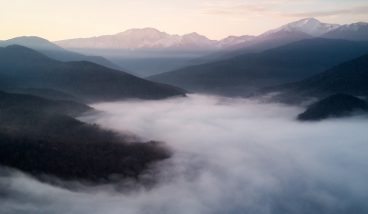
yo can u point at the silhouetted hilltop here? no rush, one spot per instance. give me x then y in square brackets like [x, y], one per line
[54, 51]
[22, 67]
[338, 105]
[246, 73]
[350, 77]
[47, 93]
[13, 102]
[39, 137]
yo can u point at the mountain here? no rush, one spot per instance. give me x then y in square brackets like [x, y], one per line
[337, 105]
[243, 74]
[262, 43]
[286, 34]
[310, 26]
[153, 39]
[40, 137]
[53, 51]
[349, 77]
[232, 41]
[355, 32]
[11, 101]
[150, 38]
[146, 38]
[22, 67]
[47, 93]
[148, 51]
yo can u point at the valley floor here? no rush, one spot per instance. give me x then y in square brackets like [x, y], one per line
[229, 156]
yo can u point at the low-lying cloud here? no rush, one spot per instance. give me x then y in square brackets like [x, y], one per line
[230, 156]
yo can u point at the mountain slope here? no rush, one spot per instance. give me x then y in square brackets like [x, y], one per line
[310, 26]
[292, 32]
[240, 74]
[337, 105]
[39, 137]
[53, 51]
[21, 67]
[10, 101]
[307, 28]
[146, 38]
[286, 34]
[355, 32]
[232, 41]
[350, 77]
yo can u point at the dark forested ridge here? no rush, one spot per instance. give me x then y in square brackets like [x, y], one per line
[242, 74]
[338, 105]
[13, 102]
[21, 67]
[350, 77]
[55, 52]
[40, 137]
[46, 93]
[38, 130]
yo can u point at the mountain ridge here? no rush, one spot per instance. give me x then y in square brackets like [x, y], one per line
[54, 51]
[250, 71]
[151, 38]
[26, 68]
[350, 77]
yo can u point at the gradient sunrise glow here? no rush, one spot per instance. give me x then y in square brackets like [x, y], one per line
[56, 20]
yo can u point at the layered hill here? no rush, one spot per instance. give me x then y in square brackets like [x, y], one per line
[22, 67]
[337, 105]
[350, 77]
[243, 74]
[54, 51]
[40, 137]
[355, 32]
[148, 51]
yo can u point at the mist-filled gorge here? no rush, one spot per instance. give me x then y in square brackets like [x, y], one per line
[184, 107]
[230, 155]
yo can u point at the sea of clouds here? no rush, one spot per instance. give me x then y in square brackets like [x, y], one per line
[229, 156]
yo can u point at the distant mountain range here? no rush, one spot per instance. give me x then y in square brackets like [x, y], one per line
[148, 51]
[237, 63]
[150, 38]
[245, 73]
[310, 26]
[53, 51]
[21, 67]
[356, 32]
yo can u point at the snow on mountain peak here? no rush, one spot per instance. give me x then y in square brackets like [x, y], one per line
[354, 26]
[309, 26]
[151, 38]
[234, 40]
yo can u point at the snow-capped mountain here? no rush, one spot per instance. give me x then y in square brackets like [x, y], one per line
[232, 41]
[356, 31]
[150, 38]
[146, 38]
[310, 26]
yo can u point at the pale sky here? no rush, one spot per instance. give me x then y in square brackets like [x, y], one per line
[216, 19]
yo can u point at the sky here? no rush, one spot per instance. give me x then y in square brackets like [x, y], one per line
[216, 19]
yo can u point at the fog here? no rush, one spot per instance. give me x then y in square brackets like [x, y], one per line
[229, 156]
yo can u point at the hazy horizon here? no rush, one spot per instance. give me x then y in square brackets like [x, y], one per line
[102, 114]
[69, 19]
